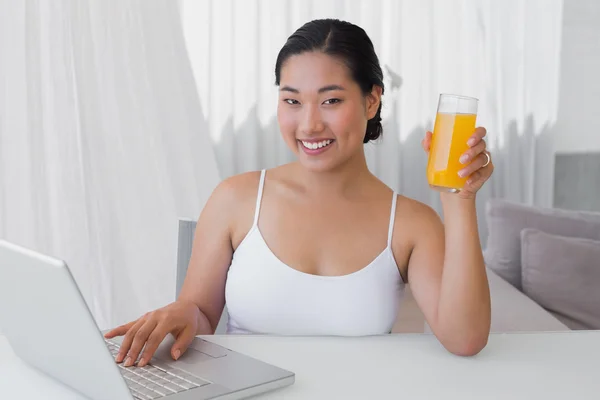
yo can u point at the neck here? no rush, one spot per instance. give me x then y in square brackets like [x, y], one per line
[338, 181]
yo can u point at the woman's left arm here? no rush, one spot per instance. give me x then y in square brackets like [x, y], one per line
[446, 268]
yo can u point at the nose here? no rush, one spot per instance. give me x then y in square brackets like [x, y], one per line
[311, 121]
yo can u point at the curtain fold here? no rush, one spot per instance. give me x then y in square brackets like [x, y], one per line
[103, 144]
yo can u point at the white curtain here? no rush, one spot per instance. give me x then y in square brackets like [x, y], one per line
[102, 144]
[506, 53]
[109, 110]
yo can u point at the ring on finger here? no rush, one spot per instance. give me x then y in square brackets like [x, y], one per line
[489, 158]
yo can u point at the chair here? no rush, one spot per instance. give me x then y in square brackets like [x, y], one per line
[185, 239]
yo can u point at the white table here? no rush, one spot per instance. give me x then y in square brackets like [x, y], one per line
[554, 365]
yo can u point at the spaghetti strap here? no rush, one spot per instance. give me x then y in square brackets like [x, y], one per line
[392, 218]
[261, 184]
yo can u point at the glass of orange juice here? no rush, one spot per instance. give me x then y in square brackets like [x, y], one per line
[454, 125]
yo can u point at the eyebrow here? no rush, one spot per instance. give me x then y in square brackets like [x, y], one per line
[324, 89]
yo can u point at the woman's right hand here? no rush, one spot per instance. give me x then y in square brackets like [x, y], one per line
[180, 319]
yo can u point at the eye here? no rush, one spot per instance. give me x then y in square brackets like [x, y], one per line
[332, 101]
[291, 101]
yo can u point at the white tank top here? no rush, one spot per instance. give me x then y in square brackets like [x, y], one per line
[264, 295]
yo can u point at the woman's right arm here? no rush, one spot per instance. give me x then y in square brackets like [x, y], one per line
[202, 299]
[212, 251]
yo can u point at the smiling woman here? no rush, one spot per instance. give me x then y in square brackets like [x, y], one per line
[321, 246]
[329, 76]
[323, 108]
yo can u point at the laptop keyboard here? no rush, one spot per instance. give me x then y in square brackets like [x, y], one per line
[156, 379]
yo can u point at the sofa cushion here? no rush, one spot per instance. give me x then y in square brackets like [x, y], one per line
[562, 274]
[506, 220]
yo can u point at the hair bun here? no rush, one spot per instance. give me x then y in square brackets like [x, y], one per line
[374, 127]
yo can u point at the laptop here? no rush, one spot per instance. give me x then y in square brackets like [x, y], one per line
[50, 327]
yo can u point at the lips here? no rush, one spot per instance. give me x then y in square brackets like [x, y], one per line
[316, 144]
[315, 147]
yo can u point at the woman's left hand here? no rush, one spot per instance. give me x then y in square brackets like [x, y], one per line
[477, 160]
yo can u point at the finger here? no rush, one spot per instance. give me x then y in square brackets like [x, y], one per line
[477, 136]
[128, 339]
[184, 339]
[474, 178]
[473, 152]
[119, 331]
[139, 341]
[426, 142]
[475, 166]
[154, 340]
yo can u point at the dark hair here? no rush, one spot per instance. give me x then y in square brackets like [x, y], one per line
[349, 43]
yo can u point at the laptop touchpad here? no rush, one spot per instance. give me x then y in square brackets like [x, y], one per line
[189, 356]
[208, 348]
[192, 356]
[199, 350]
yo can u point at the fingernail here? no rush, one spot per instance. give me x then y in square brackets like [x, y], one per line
[119, 358]
[127, 362]
[471, 141]
[142, 362]
[461, 173]
[464, 158]
[177, 354]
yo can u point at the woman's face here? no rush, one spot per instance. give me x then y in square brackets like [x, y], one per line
[322, 111]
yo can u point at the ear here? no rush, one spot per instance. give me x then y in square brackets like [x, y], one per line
[373, 101]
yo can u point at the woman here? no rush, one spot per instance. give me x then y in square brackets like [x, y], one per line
[321, 246]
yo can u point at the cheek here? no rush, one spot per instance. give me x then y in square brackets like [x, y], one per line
[347, 122]
[287, 122]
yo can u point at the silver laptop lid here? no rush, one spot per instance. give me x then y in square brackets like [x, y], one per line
[49, 325]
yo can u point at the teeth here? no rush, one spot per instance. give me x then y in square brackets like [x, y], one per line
[316, 145]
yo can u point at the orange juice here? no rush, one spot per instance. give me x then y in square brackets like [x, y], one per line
[449, 142]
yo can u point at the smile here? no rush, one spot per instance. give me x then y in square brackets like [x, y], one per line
[316, 145]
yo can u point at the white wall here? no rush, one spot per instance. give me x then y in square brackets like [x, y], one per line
[578, 124]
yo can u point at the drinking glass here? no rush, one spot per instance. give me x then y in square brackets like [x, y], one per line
[454, 125]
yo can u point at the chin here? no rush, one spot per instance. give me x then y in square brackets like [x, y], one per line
[317, 166]
[325, 164]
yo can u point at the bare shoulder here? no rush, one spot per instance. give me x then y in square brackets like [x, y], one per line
[233, 202]
[416, 225]
[238, 188]
[231, 197]
[235, 194]
[415, 218]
